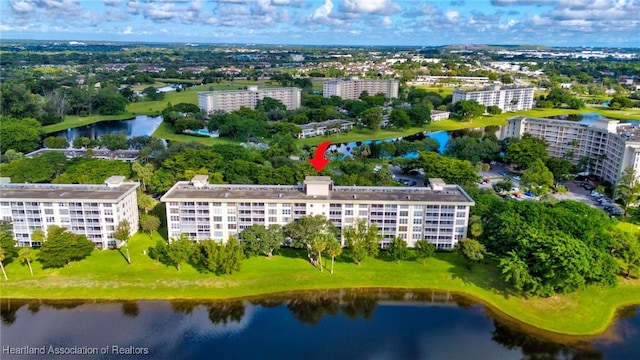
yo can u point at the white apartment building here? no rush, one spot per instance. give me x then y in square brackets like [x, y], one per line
[325, 127]
[231, 100]
[610, 145]
[437, 115]
[351, 89]
[439, 213]
[91, 210]
[507, 99]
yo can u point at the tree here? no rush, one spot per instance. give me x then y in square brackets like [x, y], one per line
[152, 94]
[22, 135]
[144, 172]
[114, 141]
[400, 119]
[334, 249]
[523, 152]
[146, 202]
[2, 257]
[537, 177]
[149, 224]
[628, 188]
[257, 239]
[56, 142]
[231, 256]
[468, 109]
[475, 226]
[62, 247]
[470, 250]
[494, 110]
[516, 271]
[179, 250]
[398, 249]
[561, 168]
[424, 250]
[302, 230]
[123, 233]
[451, 170]
[26, 256]
[626, 248]
[319, 244]
[38, 235]
[362, 240]
[372, 118]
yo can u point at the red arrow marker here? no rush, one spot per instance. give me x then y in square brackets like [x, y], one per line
[318, 161]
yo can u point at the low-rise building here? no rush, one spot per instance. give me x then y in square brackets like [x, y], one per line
[325, 127]
[91, 210]
[608, 145]
[506, 98]
[231, 100]
[437, 115]
[438, 214]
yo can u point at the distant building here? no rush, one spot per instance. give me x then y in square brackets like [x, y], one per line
[231, 100]
[352, 89]
[452, 80]
[437, 115]
[438, 214]
[507, 99]
[325, 127]
[609, 145]
[91, 210]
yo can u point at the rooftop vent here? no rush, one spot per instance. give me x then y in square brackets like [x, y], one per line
[114, 181]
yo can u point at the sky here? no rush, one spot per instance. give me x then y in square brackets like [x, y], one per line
[608, 23]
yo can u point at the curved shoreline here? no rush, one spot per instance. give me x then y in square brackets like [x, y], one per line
[494, 309]
[454, 297]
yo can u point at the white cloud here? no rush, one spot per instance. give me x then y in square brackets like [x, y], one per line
[127, 31]
[111, 2]
[383, 7]
[452, 16]
[323, 14]
[386, 21]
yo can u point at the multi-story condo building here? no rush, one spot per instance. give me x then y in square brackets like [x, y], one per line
[437, 115]
[609, 145]
[352, 89]
[507, 98]
[91, 210]
[201, 210]
[231, 100]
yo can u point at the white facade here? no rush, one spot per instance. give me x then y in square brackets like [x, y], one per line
[437, 115]
[507, 99]
[232, 100]
[611, 146]
[325, 127]
[438, 214]
[351, 89]
[91, 210]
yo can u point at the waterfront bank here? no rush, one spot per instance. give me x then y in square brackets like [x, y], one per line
[105, 275]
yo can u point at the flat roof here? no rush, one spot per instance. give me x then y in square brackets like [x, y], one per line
[66, 192]
[185, 191]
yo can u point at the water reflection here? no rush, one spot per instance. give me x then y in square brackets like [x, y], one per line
[343, 323]
[139, 126]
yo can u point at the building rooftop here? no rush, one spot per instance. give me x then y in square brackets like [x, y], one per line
[185, 190]
[326, 123]
[113, 189]
[630, 132]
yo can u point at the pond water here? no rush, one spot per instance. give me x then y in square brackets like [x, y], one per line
[139, 126]
[342, 324]
[345, 149]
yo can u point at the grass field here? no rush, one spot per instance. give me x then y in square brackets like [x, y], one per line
[165, 132]
[105, 275]
[72, 121]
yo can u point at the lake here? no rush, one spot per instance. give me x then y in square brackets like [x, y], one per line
[139, 126]
[586, 118]
[340, 324]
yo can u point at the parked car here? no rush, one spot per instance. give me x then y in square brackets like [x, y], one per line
[516, 178]
[529, 193]
[515, 188]
[502, 173]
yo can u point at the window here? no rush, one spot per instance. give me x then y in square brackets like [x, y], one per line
[417, 213]
[403, 221]
[348, 212]
[402, 228]
[461, 214]
[50, 219]
[273, 219]
[460, 222]
[217, 218]
[286, 211]
[48, 211]
[231, 219]
[404, 213]
[362, 213]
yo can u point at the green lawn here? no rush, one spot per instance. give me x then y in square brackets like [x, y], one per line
[165, 132]
[72, 121]
[105, 275]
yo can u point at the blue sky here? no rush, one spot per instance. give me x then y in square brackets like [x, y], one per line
[333, 22]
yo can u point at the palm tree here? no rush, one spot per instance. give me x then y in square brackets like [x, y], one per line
[2, 256]
[319, 244]
[334, 249]
[26, 256]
